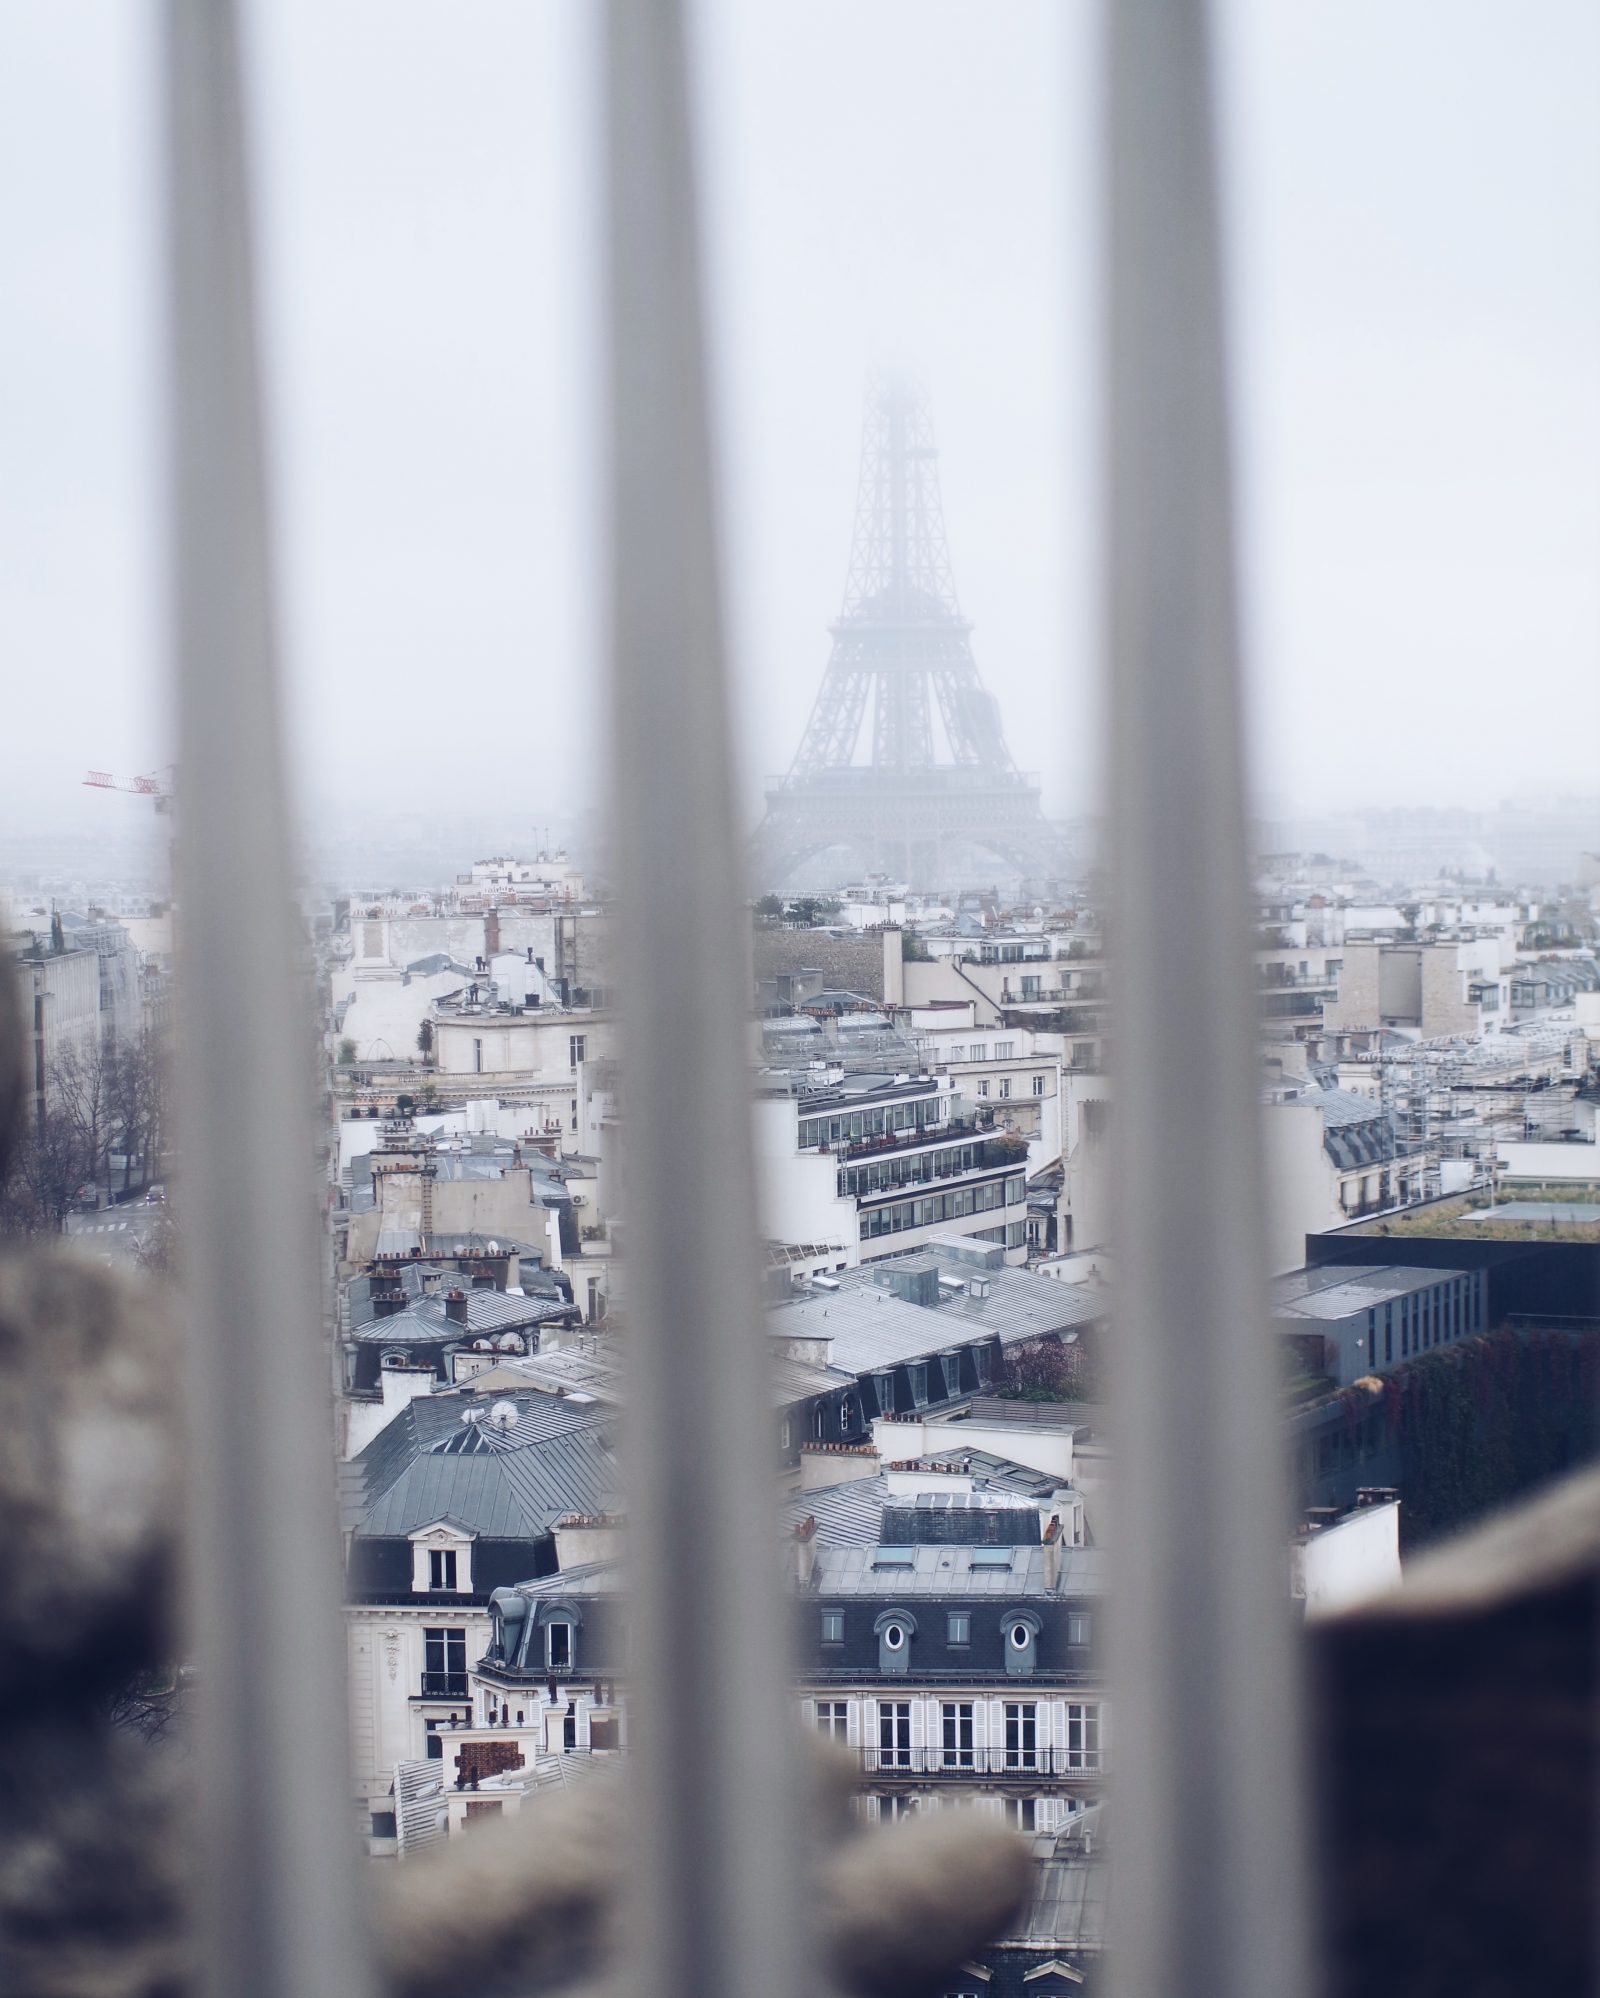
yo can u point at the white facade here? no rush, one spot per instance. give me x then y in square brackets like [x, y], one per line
[1350, 1561]
[1574, 1162]
[547, 1046]
[802, 1201]
[61, 1013]
[388, 1655]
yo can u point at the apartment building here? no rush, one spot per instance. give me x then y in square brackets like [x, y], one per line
[1332, 1156]
[952, 1654]
[61, 1011]
[1017, 982]
[881, 1162]
[459, 1496]
[1423, 990]
[488, 1030]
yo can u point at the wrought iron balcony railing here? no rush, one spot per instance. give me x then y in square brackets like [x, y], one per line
[443, 1686]
[967, 1762]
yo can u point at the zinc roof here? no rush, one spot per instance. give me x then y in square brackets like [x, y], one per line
[1068, 1908]
[488, 1311]
[1020, 1303]
[472, 1492]
[500, 1493]
[1341, 1290]
[945, 1569]
[851, 1514]
[870, 1327]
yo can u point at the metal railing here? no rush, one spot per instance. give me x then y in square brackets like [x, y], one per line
[1200, 1664]
[1209, 1832]
[963, 1762]
[443, 1686]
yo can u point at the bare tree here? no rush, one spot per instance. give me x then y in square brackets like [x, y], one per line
[138, 1086]
[50, 1164]
[155, 1073]
[80, 1082]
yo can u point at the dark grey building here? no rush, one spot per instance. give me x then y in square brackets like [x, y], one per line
[1357, 1319]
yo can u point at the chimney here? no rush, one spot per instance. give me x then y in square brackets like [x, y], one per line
[584, 1537]
[455, 1306]
[1052, 1552]
[404, 1383]
[894, 976]
[805, 1550]
[824, 1464]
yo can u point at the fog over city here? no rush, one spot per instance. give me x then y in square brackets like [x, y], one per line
[1417, 315]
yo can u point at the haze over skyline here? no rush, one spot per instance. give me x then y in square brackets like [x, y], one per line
[1416, 280]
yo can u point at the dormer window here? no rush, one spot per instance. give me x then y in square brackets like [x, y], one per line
[1019, 1633]
[441, 1560]
[895, 1629]
[559, 1626]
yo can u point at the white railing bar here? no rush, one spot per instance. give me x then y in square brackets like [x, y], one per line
[1210, 1836]
[715, 1875]
[277, 1900]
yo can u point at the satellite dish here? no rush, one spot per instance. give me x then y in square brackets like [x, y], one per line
[503, 1416]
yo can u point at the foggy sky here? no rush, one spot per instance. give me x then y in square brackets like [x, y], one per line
[1413, 204]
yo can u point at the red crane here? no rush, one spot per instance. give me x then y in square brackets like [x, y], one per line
[157, 786]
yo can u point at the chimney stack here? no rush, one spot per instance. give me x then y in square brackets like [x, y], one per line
[824, 1464]
[805, 1550]
[1052, 1552]
[455, 1306]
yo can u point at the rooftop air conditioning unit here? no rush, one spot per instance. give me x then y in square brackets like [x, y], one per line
[580, 1200]
[826, 1282]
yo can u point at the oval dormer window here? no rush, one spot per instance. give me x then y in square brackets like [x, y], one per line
[1021, 1636]
[894, 1636]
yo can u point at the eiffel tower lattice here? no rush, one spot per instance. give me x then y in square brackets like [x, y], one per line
[903, 764]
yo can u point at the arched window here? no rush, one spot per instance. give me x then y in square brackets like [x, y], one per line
[559, 1623]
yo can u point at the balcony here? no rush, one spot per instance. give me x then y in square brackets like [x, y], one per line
[900, 1141]
[443, 1686]
[987, 1155]
[1016, 1763]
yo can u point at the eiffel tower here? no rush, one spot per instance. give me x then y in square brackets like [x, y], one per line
[926, 787]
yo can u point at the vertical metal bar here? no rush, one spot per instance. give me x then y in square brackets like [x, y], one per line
[1210, 1887]
[716, 1875]
[278, 1901]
